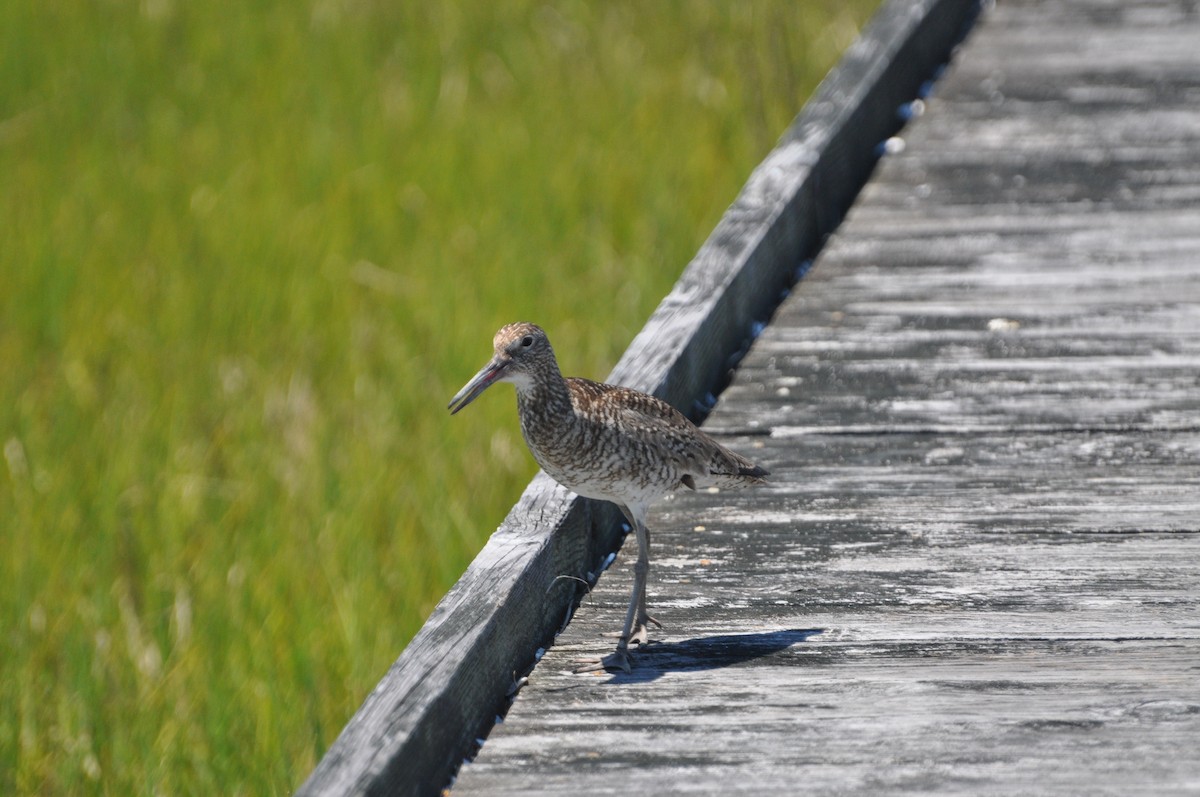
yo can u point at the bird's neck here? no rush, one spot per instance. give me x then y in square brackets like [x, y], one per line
[546, 397]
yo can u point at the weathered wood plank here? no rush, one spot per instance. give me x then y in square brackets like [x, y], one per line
[444, 691]
[794, 199]
[918, 539]
[836, 717]
[447, 686]
[1012, 338]
[977, 568]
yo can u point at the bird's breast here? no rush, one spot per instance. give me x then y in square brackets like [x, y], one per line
[594, 461]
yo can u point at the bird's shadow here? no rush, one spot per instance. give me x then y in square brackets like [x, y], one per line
[655, 660]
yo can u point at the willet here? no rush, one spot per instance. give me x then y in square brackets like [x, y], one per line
[606, 442]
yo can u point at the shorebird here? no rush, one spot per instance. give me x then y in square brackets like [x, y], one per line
[607, 442]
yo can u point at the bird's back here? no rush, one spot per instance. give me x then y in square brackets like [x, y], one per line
[623, 445]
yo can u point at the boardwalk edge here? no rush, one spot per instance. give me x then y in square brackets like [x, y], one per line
[444, 692]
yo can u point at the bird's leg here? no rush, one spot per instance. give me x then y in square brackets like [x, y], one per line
[619, 659]
[636, 619]
[643, 617]
[628, 516]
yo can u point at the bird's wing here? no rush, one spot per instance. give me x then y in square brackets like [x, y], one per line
[636, 413]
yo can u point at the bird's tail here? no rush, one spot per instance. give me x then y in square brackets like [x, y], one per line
[730, 469]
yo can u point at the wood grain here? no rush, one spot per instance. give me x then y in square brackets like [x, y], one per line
[977, 567]
[447, 687]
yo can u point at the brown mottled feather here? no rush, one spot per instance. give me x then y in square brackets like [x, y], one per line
[642, 414]
[607, 441]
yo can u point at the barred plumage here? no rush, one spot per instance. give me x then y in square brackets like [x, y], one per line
[606, 442]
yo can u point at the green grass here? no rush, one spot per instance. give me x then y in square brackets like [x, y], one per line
[248, 250]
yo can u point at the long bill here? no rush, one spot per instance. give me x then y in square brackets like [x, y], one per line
[479, 383]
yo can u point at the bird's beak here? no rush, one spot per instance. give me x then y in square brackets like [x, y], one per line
[479, 383]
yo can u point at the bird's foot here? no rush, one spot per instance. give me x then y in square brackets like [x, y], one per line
[617, 661]
[641, 633]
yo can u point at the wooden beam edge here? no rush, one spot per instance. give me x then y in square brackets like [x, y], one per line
[456, 676]
[792, 201]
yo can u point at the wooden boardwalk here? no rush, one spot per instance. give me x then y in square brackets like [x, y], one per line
[977, 569]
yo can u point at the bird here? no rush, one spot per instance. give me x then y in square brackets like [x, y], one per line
[606, 442]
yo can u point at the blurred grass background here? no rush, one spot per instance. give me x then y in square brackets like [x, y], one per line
[248, 250]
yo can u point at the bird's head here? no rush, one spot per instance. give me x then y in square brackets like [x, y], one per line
[522, 352]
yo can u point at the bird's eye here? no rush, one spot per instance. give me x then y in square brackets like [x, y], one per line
[527, 341]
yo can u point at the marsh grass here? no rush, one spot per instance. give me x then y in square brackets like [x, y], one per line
[247, 253]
